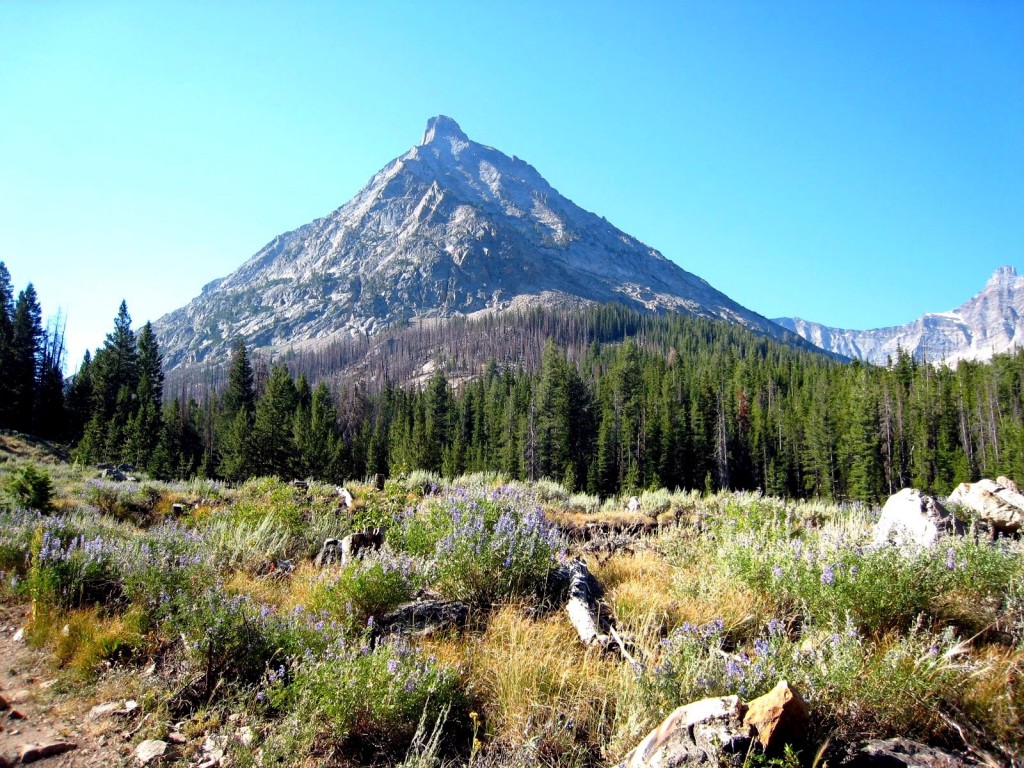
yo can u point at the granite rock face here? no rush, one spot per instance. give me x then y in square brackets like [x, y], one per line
[990, 322]
[451, 228]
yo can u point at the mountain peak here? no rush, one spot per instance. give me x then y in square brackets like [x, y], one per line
[1004, 275]
[442, 127]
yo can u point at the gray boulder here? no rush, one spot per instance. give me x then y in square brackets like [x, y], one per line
[904, 753]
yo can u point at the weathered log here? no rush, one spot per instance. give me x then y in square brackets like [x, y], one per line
[582, 606]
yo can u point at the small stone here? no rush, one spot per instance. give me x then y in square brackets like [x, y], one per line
[20, 696]
[32, 752]
[246, 736]
[129, 706]
[150, 750]
[103, 710]
[19, 636]
[177, 737]
[15, 715]
[47, 684]
[3, 703]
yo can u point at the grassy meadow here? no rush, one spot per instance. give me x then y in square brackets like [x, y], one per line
[201, 601]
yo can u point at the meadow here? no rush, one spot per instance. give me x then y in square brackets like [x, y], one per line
[200, 601]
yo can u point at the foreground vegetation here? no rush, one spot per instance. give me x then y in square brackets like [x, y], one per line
[200, 601]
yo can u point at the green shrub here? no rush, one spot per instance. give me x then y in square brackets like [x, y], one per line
[127, 500]
[369, 699]
[369, 587]
[70, 571]
[881, 589]
[233, 640]
[31, 488]
[163, 570]
[483, 547]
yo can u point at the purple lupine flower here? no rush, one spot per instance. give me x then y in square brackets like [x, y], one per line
[777, 571]
[950, 559]
[828, 576]
[392, 666]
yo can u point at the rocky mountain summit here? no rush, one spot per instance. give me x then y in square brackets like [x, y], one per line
[990, 322]
[450, 228]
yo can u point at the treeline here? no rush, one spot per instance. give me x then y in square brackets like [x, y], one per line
[31, 364]
[614, 400]
[681, 402]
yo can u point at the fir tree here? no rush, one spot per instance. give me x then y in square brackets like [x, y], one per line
[24, 358]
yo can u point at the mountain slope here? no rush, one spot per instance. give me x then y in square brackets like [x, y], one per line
[451, 228]
[990, 322]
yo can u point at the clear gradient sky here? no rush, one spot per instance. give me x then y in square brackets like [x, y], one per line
[854, 163]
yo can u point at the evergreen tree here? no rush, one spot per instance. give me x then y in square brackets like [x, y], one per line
[24, 358]
[318, 441]
[272, 435]
[234, 439]
[240, 394]
[437, 423]
[7, 385]
[50, 412]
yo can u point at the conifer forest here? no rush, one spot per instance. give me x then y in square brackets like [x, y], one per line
[604, 401]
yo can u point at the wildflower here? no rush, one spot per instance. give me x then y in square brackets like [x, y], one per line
[828, 576]
[392, 666]
[733, 669]
[777, 571]
[950, 559]
[761, 647]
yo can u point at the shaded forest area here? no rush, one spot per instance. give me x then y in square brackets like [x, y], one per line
[604, 400]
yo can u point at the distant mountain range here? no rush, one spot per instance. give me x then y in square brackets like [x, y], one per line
[990, 322]
[451, 228]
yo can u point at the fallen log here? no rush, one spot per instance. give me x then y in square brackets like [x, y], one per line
[594, 626]
[582, 606]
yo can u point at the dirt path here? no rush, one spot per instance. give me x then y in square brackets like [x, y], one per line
[27, 714]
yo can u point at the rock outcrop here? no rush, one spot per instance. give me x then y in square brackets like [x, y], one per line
[997, 504]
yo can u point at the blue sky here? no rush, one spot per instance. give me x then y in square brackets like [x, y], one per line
[853, 163]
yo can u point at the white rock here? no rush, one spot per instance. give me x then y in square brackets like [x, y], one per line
[911, 518]
[150, 750]
[103, 710]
